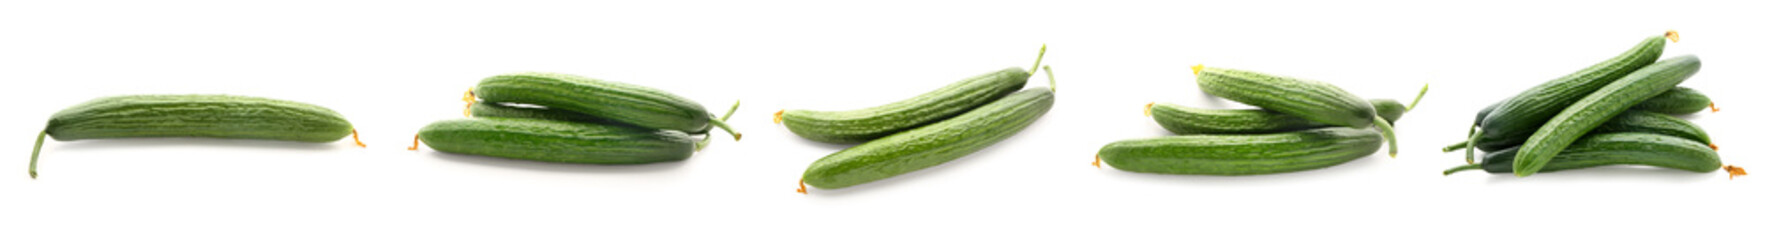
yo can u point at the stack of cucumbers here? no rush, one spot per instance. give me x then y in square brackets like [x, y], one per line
[1617, 112]
[194, 116]
[566, 118]
[920, 132]
[1302, 125]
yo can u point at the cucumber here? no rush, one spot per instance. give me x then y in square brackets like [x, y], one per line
[1518, 117]
[1594, 109]
[506, 110]
[1180, 119]
[1680, 100]
[556, 141]
[1389, 109]
[1312, 100]
[622, 102]
[930, 145]
[202, 116]
[855, 126]
[1242, 154]
[1628, 148]
[1657, 123]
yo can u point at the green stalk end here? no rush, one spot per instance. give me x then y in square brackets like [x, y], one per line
[1461, 168]
[1038, 63]
[1418, 98]
[35, 151]
[1390, 134]
[1454, 147]
[1050, 70]
[1471, 147]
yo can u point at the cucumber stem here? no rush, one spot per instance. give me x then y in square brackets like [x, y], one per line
[707, 141]
[1098, 163]
[726, 128]
[1038, 64]
[1462, 168]
[1148, 109]
[1673, 35]
[778, 117]
[1418, 98]
[1454, 147]
[1197, 68]
[801, 188]
[1714, 148]
[1050, 71]
[1471, 147]
[1390, 134]
[1734, 171]
[35, 150]
[415, 139]
[358, 138]
[470, 99]
[1713, 107]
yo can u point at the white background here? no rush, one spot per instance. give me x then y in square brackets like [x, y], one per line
[392, 67]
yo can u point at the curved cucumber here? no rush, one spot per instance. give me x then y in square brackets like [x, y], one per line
[1312, 100]
[930, 145]
[622, 102]
[1680, 100]
[1180, 119]
[1247, 154]
[556, 141]
[503, 110]
[875, 122]
[1510, 123]
[1591, 111]
[1615, 149]
[205, 116]
[1656, 123]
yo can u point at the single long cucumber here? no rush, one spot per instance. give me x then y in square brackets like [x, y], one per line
[622, 102]
[1593, 110]
[1180, 119]
[855, 126]
[1628, 148]
[556, 141]
[203, 116]
[506, 110]
[1242, 154]
[1312, 100]
[930, 145]
[1510, 123]
[1652, 122]
[1680, 100]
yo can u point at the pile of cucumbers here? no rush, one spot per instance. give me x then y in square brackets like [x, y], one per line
[566, 118]
[920, 132]
[1302, 125]
[1617, 112]
[194, 116]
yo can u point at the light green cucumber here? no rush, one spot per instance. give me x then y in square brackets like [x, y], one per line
[1242, 154]
[556, 141]
[622, 102]
[855, 126]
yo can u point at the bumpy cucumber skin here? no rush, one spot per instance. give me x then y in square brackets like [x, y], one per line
[208, 116]
[491, 109]
[556, 141]
[1389, 109]
[1601, 105]
[1180, 119]
[1680, 100]
[1521, 115]
[931, 145]
[1619, 149]
[866, 124]
[1651, 122]
[1312, 100]
[622, 102]
[1246, 154]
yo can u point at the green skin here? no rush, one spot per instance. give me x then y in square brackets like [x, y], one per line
[1242, 154]
[491, 109]
[1680, 100]
[1180, 119]
[202, 116]
[1312, 100]
[1596, 108]
[556, 141]
[930, 145]
[621, 102]
[856, 126]
[1609, 149]
[1650, 122]
[1520, 116]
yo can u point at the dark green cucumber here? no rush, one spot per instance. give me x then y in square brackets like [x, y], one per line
[622, 102]
[1680, 100]
[1312, 100]
[855, 126]
[931, 145]
[1242, 154]
[1594, 109]
[1518, 117]
[504, 110]
[556, 141]
[1614, 149]
[1187, 120]
[1652, 122]
[203, 116]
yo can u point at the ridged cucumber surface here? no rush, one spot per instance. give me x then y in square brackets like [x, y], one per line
[1608, 149]
[556, 141]
[1593, 110]
[622, 102]
[866, 124]
[1518, 117]
[1242, 154]
[204, 116]
[1680, 100]
[1652, 122]
[1312, 100]
[504, 110]
[931, 145]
